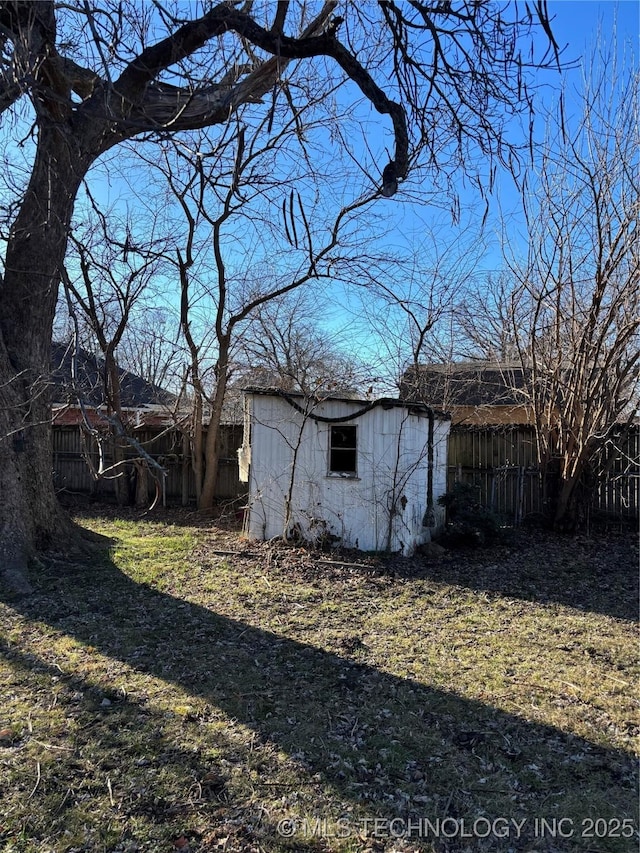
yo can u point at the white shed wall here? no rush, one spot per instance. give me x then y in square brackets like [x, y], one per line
[440, 462]
[382, 507]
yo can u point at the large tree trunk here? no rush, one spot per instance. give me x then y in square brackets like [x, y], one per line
[30, 517]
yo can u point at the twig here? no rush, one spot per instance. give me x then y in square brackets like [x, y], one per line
[446, 808]
[484, 790]
[613, 678]
[64, 800]
[51, 746]
[569, 684]
[342, 564]
[38, 778]
[222, 553]
[109, 788]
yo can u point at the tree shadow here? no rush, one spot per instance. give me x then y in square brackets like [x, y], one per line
[96, 741]
[389, 746]
[589, 574]
[593, 574]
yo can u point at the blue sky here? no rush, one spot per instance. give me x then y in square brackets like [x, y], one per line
[408, 224]
[577, 25]
[576, 21]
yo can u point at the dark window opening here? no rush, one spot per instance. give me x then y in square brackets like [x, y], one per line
[342, 450]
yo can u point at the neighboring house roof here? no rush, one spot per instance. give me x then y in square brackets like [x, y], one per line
[466, 384]
[233, 407]
[142, 402]
[478, 392]
[135, 392]
[72, 416]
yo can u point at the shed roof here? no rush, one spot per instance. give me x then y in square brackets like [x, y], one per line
[364, 404]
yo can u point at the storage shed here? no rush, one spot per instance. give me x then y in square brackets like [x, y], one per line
[332, 470]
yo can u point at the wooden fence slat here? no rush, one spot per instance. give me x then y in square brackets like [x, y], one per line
[502, 461]
[510, 483]
[72, 474]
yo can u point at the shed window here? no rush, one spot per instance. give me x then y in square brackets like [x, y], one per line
[342, 450]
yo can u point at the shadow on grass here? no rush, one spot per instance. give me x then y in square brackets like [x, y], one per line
[597, 575]
[383, 745]
[74, 804]
[593, 575]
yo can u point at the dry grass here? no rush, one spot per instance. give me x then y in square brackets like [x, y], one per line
[173, 696]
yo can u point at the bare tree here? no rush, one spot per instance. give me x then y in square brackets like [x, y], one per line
[575, 304]
[284, 347]
[93, 77]
[105, 279]
[221, 294]
[150, 347]
[484, 320]
[412, 301]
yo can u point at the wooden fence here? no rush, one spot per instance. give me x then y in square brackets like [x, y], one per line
[502, 462]
[72, 472]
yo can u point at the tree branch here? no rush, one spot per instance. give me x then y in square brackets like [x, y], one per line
[153, 104]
